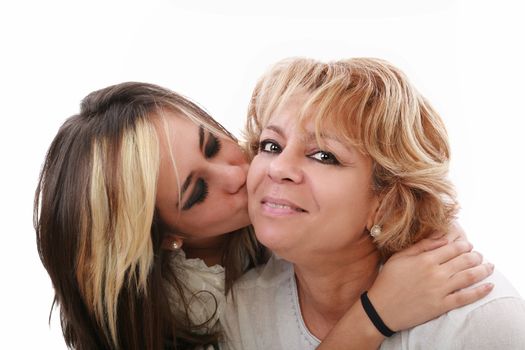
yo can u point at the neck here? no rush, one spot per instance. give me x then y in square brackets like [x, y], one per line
[209, 249]
[329, 288]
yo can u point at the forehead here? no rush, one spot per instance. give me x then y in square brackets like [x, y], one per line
[298, 113]
[167, 122]
[178, 147]
[176, 130]
[176, 134]
[181, 119]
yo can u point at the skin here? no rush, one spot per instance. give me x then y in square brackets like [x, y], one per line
[201, 222]
[213, 170]
[314, 207]
[294, 198]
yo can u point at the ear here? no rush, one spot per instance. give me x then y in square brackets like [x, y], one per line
[373, 213]
[171, 242]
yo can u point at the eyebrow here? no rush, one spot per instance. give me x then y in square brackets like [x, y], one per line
[187, 182]
[201, 136]
[275, 129]
[309, 137]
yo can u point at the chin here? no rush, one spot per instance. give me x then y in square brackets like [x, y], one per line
[271, 239]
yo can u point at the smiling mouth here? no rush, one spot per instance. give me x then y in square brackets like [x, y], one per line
[282, 206]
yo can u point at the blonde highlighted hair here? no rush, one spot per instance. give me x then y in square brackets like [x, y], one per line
[119, 250]
[371, 105]
[98, 234]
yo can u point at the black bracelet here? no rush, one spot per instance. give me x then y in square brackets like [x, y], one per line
[374, 316]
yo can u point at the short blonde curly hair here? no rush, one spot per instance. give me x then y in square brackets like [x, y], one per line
[373, 107]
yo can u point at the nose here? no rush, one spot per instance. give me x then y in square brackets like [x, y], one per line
[285, 167]
[230, 177]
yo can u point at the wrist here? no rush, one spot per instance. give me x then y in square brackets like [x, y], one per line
[354, 331]
[374, 316]
[366, 332]
[387, 307]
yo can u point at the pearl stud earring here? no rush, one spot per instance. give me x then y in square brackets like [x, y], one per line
[375, 231]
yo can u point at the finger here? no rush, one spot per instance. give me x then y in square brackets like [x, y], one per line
[456, 232]
[467, 296]
[463, 262]
[453, 249]
[467, 278]
[438, 235]
[422, 246]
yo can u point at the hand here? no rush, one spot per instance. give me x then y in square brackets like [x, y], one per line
[428, 279]
[455, 233]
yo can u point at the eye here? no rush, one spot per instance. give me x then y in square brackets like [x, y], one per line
[324, 157]
[212, 147]
[198, 194]
[269, 146]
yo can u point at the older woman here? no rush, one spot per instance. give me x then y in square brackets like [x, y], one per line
[350, 167]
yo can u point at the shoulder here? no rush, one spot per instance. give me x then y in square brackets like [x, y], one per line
[503, 290]
[257, 305]
[266, 277]
[202, 287]
[260, 286]
[494, 322]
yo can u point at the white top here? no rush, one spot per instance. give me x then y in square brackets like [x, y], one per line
[265, 314]
[203, 289]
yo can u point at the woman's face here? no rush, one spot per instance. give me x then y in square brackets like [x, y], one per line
[304, 200]
[212, 173]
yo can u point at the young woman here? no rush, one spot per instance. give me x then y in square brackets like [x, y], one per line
[350, 167]
[139, 173]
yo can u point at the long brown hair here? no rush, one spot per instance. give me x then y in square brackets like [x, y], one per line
[98, 235]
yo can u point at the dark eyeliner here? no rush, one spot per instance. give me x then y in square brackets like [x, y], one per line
[330, 160]
[198, 194]
[212, 147]
[272, 143]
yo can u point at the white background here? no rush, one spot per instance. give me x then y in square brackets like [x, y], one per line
[465, 56]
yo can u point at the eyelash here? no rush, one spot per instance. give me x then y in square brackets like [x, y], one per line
[200, 189]
[199, 194]
[264, 143]
[332, 159]
[213, 146]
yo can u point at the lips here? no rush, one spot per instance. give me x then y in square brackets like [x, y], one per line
[281, 206]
